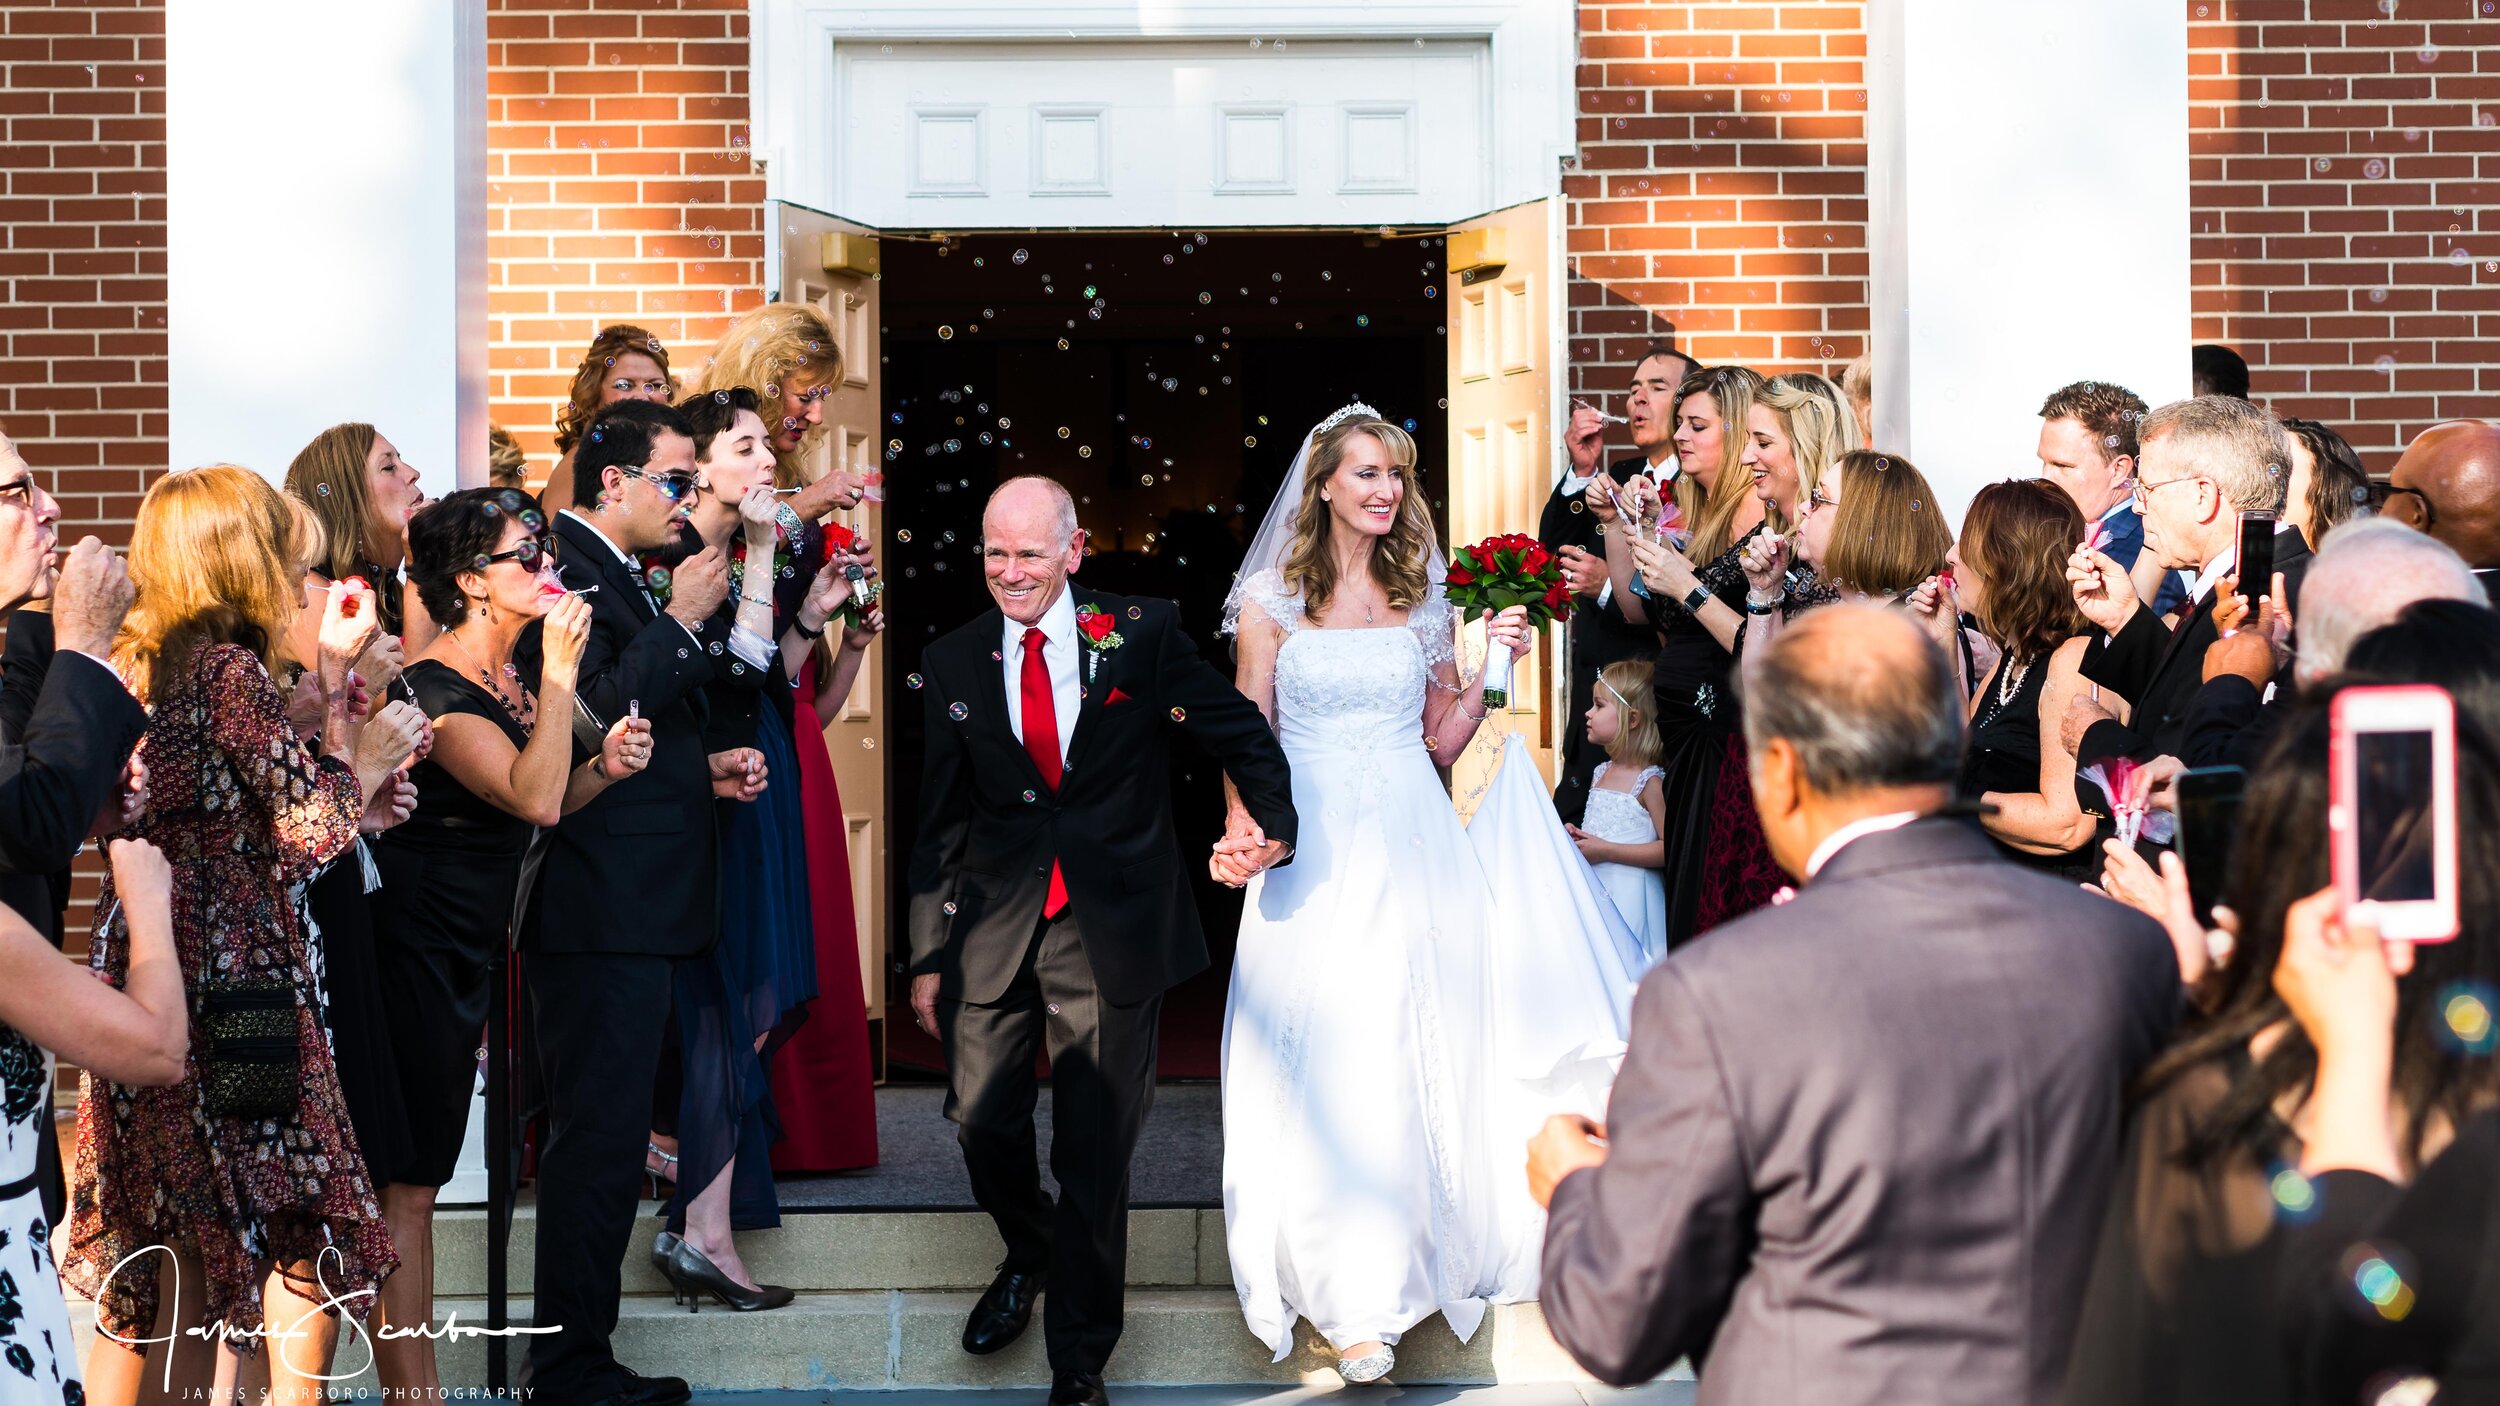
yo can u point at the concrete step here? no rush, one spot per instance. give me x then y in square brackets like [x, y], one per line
[852, 1250]
[893, 1339]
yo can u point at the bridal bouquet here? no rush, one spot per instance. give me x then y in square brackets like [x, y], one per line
[1496, 574]
[864, 592]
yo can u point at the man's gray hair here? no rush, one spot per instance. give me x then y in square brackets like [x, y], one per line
[2366, 572]
[1859, 719]
[2240, 446]
[1058, 491]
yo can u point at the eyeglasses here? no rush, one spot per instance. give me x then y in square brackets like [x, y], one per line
[1817, 500]
[2409, 506]
[20, 489]
[529, 554]
[673, 487]
[2142, 493]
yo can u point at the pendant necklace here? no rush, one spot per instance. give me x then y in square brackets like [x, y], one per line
[527, 714]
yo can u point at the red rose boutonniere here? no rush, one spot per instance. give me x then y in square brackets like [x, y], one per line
[1101, 637]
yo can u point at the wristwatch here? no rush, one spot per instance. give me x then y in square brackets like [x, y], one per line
[1698, 597]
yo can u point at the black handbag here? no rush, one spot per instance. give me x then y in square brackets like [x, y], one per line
[251, 1056]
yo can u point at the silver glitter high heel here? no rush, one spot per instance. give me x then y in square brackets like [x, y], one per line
[1361, 1371]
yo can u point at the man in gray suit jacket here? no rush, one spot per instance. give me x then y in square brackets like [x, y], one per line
[1861, 1143]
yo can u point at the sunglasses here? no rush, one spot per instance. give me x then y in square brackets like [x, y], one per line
[529, 554]
[673, 487]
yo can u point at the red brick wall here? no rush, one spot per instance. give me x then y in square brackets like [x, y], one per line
[2346, 159]
[618, 189]
[82, 251]
[1720, 194]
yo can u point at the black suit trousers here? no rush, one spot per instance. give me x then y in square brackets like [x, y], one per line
[599, 1022]
[1102, 1070]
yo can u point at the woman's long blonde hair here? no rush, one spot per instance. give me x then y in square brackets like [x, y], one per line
[766, 348]
[1398, 561]
[1732, 390]
[1821, 427]
[329, 475]
[217, 555]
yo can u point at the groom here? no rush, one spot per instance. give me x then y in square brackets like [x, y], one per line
[1049, 902]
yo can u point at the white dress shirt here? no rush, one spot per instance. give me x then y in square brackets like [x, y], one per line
[1059, 651]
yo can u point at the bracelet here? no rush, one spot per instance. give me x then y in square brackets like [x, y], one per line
[1697, 597]
[1471, 717]
[800, 625]
[1762, 607]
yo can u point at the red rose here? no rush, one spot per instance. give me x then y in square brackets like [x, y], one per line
[1534, 560]
[1460, 576]
[839, 538]
[1095, 625]
[1558, 596]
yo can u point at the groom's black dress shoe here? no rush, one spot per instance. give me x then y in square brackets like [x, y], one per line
[999, 1318]
[634, 1389]
[1078, 1389]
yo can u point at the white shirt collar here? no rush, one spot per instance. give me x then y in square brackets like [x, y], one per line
[2214, 570]
[1665, 470]
[1058, 624]
[2123, 505]
[604, 539]
[1839, 839]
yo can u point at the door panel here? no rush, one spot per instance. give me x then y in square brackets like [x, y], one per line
[1502, 370]
[832, 264]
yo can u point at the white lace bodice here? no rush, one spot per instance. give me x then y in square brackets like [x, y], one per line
[1619, 815]
[1353, 689]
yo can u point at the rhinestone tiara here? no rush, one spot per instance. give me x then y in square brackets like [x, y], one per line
[1339, 417]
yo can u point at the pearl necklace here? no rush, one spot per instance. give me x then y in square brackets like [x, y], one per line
[2010, 683]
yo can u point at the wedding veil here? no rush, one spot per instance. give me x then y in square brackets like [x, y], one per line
[1284, 517]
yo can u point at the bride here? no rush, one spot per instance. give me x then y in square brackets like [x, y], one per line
[1399, 1018]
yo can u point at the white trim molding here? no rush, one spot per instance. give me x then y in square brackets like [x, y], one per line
[1191, 113]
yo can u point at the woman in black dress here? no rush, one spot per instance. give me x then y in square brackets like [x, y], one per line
[2009, 573]
[483, 572]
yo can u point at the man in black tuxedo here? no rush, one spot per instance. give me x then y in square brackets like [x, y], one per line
[627, 889]
[1571, 529]
[2205, 462]
[1049, 905]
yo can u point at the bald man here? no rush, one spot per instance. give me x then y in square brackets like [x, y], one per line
[1862, 1140]
[2448, 485]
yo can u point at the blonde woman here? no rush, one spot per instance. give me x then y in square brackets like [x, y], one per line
[1376, 1038]
[247, 1171]
[363, 493]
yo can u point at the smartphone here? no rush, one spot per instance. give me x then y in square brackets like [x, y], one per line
[2256, 565]
[2392, 811]
[2208, 801]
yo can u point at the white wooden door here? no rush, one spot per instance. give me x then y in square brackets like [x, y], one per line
[1498, 286]
[832, 264]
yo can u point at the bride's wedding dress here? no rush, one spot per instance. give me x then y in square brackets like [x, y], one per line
[1409, 999]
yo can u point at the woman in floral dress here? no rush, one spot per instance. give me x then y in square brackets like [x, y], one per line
[268, 1214]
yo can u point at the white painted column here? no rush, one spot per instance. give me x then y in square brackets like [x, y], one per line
[2027, 220]
[326, 229]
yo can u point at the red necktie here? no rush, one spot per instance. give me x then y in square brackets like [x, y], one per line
[1041, 742]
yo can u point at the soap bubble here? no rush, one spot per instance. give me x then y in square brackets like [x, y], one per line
[1020, 256]
[958, 711]
[912, 681]
[945, 333]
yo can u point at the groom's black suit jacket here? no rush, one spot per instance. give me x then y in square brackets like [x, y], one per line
[989, 827]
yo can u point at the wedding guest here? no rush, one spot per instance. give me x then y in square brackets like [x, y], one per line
[629, 888]
[2089, 447]
[484, 570]
[2397, 1276]
[363, 493]
[1627, 804]
[2184, 1304]
[824, 1081]
[624, 363]
[2206, 461]
[137, 1035]
[506, 465]
[2220, 371]
[1869, 529]
[2009, 572]
[1857, 381]
[1573, 526]
[246, 1170]
[2327, 483]
[1920, 1228]
[2447, 484]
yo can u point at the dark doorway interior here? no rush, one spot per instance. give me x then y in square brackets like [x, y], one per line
[1167, 381]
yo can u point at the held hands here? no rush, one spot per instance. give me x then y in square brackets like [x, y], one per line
[562, 639]
[1582, 571]
[627, 748]
[1585, 439]
[90, 598]
[349, 624]
[1566, 1144]
[2103, 591]
[698, 586]
[738, 774]
[1244, 851]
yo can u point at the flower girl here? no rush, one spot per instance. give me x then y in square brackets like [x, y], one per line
[1627, 806]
